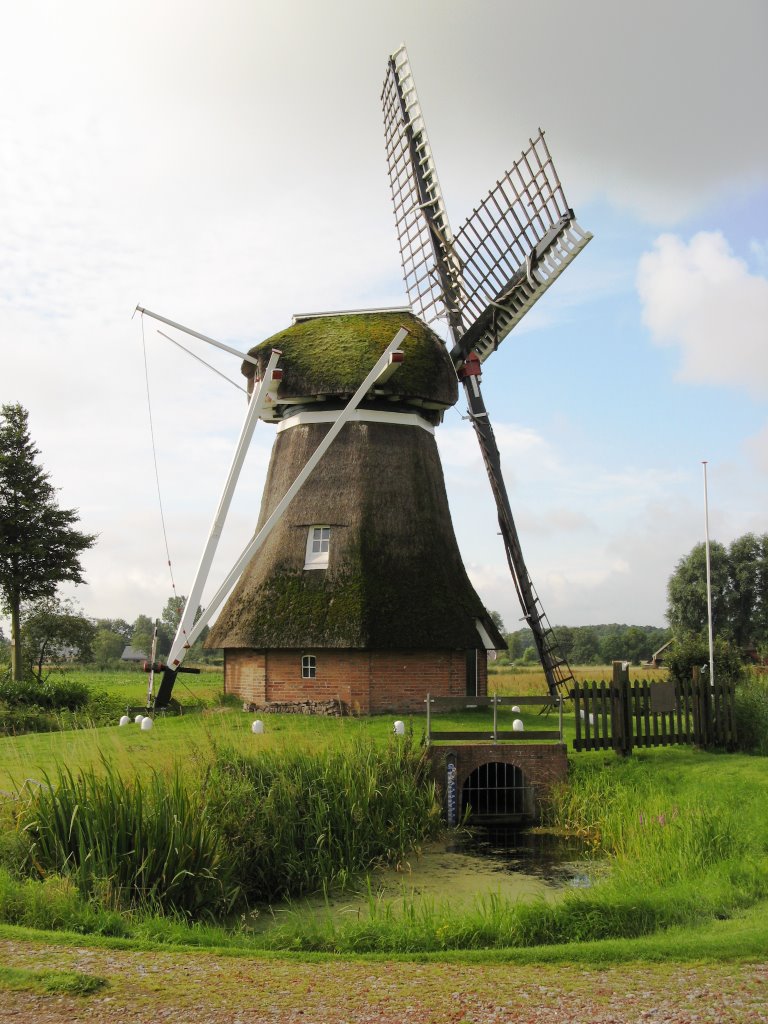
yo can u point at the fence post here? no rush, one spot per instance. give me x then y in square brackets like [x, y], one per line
[621, 717]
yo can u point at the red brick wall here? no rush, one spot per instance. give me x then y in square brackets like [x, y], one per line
[366, 681]
[544, 765]
[245, 674]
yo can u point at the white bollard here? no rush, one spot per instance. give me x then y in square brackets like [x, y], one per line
[124, 720]
[257, 727]
[399, 728]
[515, 709]
[518, 725]
[139, 719]
[146, 724]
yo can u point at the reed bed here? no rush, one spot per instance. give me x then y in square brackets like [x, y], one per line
[244, 827]
[298, 822]
[144, 842]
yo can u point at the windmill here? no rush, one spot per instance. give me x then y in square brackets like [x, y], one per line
[481, 282]
[353, 583]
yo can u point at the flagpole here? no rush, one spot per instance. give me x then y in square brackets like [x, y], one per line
[709, 580]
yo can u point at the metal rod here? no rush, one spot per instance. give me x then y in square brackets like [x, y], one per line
[250, 550]
[709, 581]
[200, 337]
[197, 357]
[181, 641]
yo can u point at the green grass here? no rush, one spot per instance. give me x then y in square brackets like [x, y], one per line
[679, 836]
[65, 983]
[131, 686]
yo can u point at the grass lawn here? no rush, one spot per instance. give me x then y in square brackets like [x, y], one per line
[685, 833]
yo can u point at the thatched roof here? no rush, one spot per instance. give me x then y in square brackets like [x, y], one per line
[329, 357]
[395, 579]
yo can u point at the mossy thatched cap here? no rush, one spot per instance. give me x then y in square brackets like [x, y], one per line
[329, 356]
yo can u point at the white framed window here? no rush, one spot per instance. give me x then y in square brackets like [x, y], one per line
[308, 666]
[318, 545]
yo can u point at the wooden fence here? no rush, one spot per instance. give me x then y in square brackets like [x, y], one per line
[621, 715]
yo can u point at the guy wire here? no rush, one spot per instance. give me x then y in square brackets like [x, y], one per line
[154, 457]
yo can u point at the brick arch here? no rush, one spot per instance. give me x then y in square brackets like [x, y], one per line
[543, 765]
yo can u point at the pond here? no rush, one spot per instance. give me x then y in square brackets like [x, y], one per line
[514, 863]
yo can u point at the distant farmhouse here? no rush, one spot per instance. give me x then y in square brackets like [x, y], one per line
[133, 654]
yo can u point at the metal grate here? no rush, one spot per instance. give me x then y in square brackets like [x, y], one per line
[493, 790]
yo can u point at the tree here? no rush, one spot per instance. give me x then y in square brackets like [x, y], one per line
[107, 646]
[169, 623]
[141, 634]
[739, 577]
[39, 545]
[54, 631]
[586, 646]
[565, 639]
[497, 620]
[687, 590]
[119, 626]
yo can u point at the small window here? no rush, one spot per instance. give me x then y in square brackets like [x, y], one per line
[308, 666]
[318, 545]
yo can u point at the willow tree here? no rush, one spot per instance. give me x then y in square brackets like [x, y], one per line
[39, 544]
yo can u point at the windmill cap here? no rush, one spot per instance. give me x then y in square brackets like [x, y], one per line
[326, 357]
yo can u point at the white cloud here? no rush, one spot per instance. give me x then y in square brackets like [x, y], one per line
[701, 298]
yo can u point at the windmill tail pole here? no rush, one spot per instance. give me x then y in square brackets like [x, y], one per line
[553, 662]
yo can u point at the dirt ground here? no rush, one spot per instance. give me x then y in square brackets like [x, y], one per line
[199, 988]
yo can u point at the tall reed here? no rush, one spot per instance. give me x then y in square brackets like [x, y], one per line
[298, 821]
[145, 842]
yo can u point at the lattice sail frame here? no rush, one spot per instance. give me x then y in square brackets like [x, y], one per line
[426, 242]
[514, 245]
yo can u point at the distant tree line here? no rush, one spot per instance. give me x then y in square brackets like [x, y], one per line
[591, 645]
[54, 631]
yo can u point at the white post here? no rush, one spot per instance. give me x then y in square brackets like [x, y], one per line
[255, 407]
[196, 334]
[250, 550]
[709, 581]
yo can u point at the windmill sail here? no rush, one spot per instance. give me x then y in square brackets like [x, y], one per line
[514, 246]
[430, 271]
[482, 281]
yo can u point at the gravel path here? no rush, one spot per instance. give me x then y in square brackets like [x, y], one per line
[198, 988]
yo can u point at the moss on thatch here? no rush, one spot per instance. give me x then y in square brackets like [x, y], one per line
[395, 578]
[330, 356]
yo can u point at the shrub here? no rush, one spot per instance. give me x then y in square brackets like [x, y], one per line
[752, 714]
[692, 649]
[17, 720]
[52, 695]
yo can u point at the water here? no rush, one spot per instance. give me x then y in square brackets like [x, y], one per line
[516, 864]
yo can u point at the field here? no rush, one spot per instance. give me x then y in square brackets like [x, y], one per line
[678, 837]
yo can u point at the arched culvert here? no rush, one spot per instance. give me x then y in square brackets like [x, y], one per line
[496, 791]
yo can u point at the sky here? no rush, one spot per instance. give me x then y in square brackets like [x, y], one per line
[224, 166]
